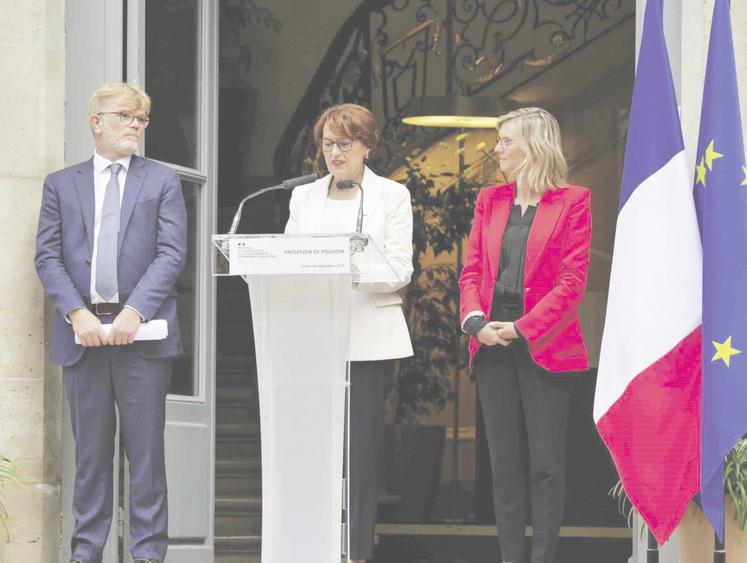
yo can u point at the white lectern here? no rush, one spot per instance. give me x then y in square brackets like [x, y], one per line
[300, 288]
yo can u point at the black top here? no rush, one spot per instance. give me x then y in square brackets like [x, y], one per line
[513, 252]
[510, 283]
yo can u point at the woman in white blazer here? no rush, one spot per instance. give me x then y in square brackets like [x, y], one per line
[346, 134]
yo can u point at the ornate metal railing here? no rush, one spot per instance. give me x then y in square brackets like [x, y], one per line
[389, 51]
[344, 75]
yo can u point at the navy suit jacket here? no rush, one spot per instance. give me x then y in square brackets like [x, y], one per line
[152, 250]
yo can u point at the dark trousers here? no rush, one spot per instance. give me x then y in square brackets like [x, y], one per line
[525, 409]
[105, 377]
[368, 385]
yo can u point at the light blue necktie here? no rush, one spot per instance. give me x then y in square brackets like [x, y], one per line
[106, 257]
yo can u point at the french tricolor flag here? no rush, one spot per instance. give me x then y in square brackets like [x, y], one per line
[648, 394]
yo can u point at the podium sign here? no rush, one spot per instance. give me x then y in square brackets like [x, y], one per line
[276, 255]
[300, 301]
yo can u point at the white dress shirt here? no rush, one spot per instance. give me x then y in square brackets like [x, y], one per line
[341, 215]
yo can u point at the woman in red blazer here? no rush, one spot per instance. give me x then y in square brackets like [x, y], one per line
[523, 279]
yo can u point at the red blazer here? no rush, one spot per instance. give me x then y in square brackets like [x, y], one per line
[557, 261]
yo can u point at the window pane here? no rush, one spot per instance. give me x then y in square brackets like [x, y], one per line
[171, 79]
[185, 380]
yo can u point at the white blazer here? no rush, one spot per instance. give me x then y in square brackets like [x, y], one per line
[378, 330]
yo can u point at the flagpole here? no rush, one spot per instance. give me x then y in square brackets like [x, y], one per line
[652, 552]
[719, 551]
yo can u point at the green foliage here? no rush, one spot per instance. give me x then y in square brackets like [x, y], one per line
[624, 506]
[239, 21]
[238, 15]
[735, 477]
[442, 217]
[8, 473]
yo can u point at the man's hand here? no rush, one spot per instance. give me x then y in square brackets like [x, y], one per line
[88, 328]
[506, 331]
[124, 327]
[489, 334]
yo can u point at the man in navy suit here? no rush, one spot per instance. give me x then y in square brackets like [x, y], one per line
[110, 246]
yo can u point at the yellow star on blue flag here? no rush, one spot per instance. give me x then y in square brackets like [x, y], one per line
[724, 351]
[722, 217]
[701, 170]
[711, 155]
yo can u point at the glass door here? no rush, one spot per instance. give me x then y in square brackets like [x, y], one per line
[171, 52]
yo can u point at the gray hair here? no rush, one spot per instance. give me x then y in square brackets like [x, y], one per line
[118, 91]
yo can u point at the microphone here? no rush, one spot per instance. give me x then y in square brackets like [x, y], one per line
[349, 185]
[285, 185]
[298, 181]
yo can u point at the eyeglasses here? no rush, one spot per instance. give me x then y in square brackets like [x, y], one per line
[126, 118]
[503, 142]
[344, 145]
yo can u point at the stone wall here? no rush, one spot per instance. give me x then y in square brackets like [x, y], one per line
[696, 29]
[32, 65]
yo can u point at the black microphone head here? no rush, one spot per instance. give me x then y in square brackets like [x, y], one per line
[347, 184]
[300, 181]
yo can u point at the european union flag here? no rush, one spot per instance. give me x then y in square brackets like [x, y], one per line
[720, 192]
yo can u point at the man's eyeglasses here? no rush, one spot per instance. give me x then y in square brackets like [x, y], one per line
[343, 144]
[126, 118]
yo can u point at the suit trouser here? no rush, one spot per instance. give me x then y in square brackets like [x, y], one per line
[368, 385]
[525, 409]
[104, 377]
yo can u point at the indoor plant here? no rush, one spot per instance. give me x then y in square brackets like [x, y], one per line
[442, 205]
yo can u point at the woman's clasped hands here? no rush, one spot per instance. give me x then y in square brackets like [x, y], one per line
[497, 332]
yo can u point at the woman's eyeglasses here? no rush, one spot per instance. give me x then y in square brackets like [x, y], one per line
[343, 144]
[503, 142]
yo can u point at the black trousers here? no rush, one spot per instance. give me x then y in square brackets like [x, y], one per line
[368, 384]
[525, 409]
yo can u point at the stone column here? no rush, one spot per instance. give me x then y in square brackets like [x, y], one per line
[32, 64]
[696, 29]
[739, 32]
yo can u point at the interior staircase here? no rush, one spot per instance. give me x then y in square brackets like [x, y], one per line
[238, 491]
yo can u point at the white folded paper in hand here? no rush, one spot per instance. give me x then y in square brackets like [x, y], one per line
[156, 329]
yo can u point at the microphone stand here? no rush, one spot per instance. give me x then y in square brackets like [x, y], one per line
[285, 185]
[357, 244]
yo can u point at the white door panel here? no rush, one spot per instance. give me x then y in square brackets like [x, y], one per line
[188, 460]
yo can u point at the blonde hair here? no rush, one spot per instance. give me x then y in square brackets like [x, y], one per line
[544, 166]
[118, 91]
[349, 120]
